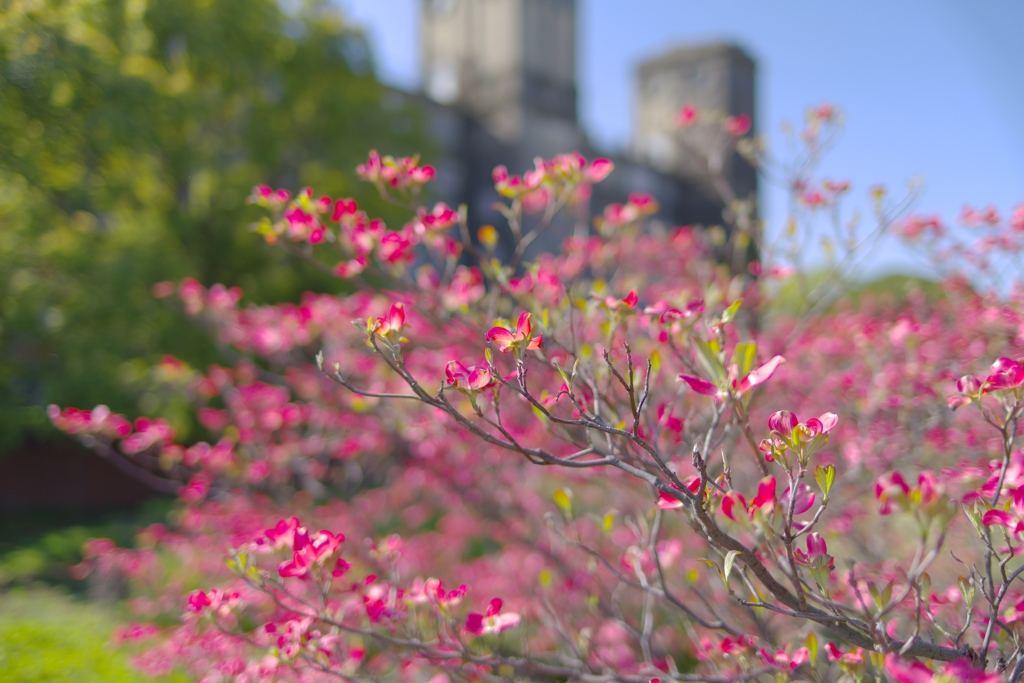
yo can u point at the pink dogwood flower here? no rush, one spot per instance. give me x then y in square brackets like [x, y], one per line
[1012, 519]
[308, 552]
[765, 498]
[1006, 373]
[737, 126]
[736, 386]
[468, 380]
[804, 499]
[439, 219]
[639, 205]
[391, 173]
[521, 339]
[391, 325]
[816, 548]
[492, 621]
[787, 433]
[687, 116]
[783, 660]
[889, 489]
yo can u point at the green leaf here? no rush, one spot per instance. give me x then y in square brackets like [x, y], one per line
[608, 521]
[713, 565]
[825, 475]
[743, 357]
[563, 499]
[811, 643]
[730, 312]
[884, 596]
[876, 596]
[707, 355]
[966, 589]
[565, 377]
[973, 515]
[655, 360]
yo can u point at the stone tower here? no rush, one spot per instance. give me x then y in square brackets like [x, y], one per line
[511, 64]
[716, 77]
[499, 80]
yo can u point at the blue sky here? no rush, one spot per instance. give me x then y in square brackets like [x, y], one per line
[931, 88]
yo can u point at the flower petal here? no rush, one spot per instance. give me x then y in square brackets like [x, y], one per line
[761, 374]
[504, 338]
[1000, 517]
[667, 501]
[783, 421]
[828, 422]
[701, 386]
[523, 327]
[599, 170]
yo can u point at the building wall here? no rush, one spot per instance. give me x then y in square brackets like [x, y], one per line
[716, 79]
[500, 84]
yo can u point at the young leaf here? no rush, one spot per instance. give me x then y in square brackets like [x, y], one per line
[655, 360]
[811, 643]
[730, 312]
[743, 357]
[886, 595]
[565, 377]
[707, 354]
[730, 559]
[713, 565]
[966, 589]
[825, 475]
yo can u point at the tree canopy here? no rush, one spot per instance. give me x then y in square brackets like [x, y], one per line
[130, 133]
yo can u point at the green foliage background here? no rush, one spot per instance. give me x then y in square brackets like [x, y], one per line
[131, 132]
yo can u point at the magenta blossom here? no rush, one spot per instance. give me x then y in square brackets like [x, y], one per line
[687, 116]
[492, 621]
[468, 380]
[391, 325]
[1005, 373]
[737, 126]
[804, 499]
[735, 386]
[1012, 519]
[787, 433]
[816, 548]
[522, 338]
[308, 552]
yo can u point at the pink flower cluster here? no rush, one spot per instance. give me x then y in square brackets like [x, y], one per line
[602, 437]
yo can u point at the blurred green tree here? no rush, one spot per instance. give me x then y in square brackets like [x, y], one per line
[131, 132]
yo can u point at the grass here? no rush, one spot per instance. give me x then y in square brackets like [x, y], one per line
[48, 636]
[48, 632]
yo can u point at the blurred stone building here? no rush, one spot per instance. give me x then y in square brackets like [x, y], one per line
[499, 87]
